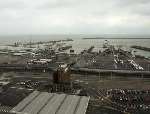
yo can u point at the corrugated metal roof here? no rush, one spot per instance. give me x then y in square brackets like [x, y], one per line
[52, 103]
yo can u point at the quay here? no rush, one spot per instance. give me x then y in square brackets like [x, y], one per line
[24, 67]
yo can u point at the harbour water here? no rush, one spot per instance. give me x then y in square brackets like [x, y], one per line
[80, 44]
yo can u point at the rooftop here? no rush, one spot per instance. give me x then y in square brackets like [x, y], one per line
[52, 103]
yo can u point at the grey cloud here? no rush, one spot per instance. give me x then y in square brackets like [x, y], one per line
[57, 4]
[11, 4]
[131, 2]
[141, 7]
[74, 16]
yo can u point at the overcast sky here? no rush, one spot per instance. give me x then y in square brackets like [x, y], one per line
[74, 16]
